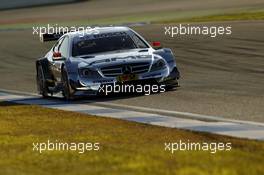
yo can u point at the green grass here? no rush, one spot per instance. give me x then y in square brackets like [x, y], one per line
[126, 147]
[219, 17]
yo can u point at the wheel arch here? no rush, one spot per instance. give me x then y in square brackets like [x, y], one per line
[166, 53]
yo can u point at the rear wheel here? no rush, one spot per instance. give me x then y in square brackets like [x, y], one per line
[41, 82]
[67, 89]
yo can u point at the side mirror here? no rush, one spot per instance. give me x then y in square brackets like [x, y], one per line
[57, 56]
[156, 45]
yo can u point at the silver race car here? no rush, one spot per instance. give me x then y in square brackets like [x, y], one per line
[80, 64]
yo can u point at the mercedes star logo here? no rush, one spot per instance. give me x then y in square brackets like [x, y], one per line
[126, 69]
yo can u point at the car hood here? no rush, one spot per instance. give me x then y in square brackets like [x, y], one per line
[112, 58]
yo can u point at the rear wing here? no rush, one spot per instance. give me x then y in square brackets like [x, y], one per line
[51, 36]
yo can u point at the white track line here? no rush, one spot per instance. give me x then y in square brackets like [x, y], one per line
[174, 113]
[241, 130]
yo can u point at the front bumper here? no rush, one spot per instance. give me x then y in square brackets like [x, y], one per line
[84, 86]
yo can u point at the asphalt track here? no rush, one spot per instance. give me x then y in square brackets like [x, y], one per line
[221, 76]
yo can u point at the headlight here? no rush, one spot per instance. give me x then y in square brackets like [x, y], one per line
[160, 64]
[88, 73]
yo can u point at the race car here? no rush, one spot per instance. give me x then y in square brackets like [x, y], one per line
[80, 63]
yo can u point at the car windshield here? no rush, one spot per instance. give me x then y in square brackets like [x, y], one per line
[92, 44]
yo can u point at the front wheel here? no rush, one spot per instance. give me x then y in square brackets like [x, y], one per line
[41, 82]
[67, 89]
[172, 85]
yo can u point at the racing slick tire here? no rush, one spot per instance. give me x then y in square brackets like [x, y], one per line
[41, 82]
[67, 89]
[171, 87]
